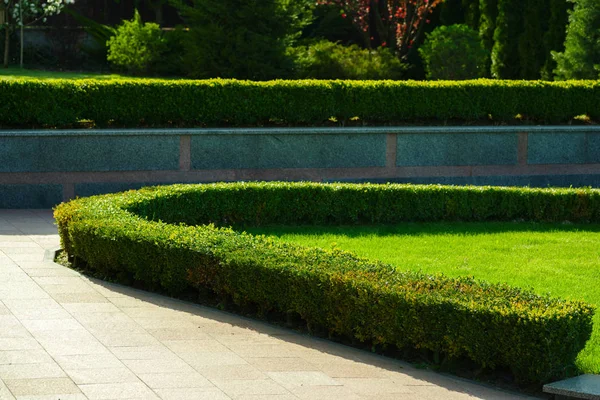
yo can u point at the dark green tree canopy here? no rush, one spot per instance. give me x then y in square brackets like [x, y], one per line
[245, 39]
[454, 52]
[581, 58]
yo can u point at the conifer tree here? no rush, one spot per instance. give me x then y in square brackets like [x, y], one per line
[505, 53]
[487, 25]
[532, 53]
[581, 58]
[554, 37]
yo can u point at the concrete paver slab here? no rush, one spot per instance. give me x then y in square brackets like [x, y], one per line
[52, 386]
[293, 379]
[66, 336]
[161, 366]
[4, 392]
[89, 361]
[192, 394]
[104, 391]
[101, 375]
[233, 372]
[31, 371]
[327, 393]
[78, 396]
[26, 343]
[237, 388]
[142, 352]
[174, 381]
[279, 364]
[267, 397]
[24, 357]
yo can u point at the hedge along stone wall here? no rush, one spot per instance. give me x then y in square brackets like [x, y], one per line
[43, 168]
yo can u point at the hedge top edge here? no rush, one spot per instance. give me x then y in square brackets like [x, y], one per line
[324, 82]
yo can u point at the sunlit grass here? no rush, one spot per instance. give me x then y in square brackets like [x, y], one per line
[562, 260]
[18, 73]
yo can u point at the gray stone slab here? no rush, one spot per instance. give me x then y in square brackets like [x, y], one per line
[30, 196]
[295, 130]
[593, 148]
[91, 153]
[564, 148]
[580, 387]
[454, 149]
[288, 151]
[556, 148]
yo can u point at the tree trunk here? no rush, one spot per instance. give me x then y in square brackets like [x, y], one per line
[417, 39]
[6, 44]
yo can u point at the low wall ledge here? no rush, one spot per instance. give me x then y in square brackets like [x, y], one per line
[302, 130]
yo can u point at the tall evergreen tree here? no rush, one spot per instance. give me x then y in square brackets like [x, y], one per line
[451, 12]
[460, 12]
[472, 13]
[532, 53]
[505, 53]
[554, 37]
[488, 10]
[581, 58]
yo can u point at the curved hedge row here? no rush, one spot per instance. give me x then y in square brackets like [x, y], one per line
[147, 234]
[311, 102]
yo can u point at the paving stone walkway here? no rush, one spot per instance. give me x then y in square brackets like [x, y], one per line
[65, 336]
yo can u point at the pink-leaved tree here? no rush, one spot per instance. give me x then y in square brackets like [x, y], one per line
[396, 24]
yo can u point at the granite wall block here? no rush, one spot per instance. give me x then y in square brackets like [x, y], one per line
[455, 149]
[88, 153]
[288, 151]
[556, 148]
[30, 196]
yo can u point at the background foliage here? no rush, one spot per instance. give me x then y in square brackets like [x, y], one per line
[328, 60]
[244, 39]
[454, 52]
[136, 46]
[519, 35]
[581, 58]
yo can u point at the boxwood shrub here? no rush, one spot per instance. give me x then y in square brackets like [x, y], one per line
[146, 102]
[173, 238]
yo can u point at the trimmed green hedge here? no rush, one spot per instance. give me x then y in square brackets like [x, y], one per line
[163, 237]
[244, 103]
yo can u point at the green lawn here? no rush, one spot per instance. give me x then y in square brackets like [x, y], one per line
[16, 73]
[562, 260]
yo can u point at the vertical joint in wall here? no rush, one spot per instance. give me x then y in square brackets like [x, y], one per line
[185, 153]
[391, 150]
[522, 148]
[68, 191]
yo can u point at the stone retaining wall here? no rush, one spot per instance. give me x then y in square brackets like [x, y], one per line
[39, 169]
